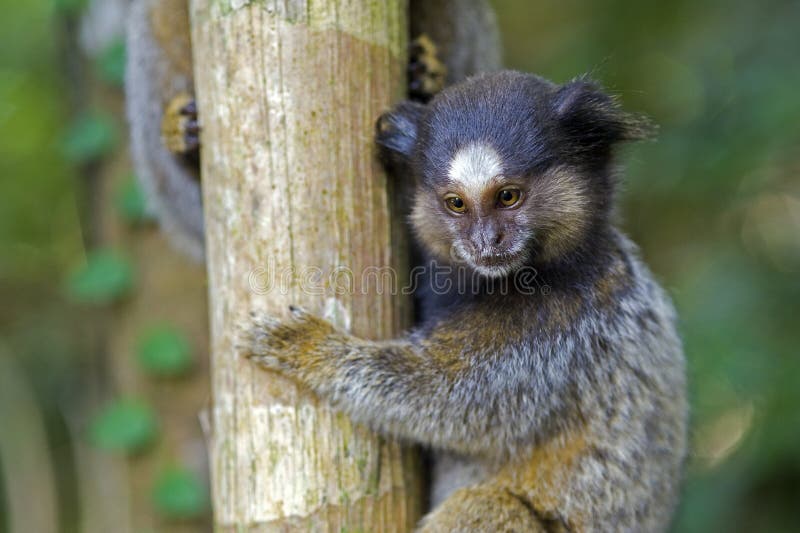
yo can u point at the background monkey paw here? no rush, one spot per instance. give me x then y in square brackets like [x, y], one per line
[180, 130]
[426, 72]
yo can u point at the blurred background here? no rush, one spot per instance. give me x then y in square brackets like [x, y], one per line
[102, 341]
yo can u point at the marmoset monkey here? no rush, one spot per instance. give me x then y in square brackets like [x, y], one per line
[550, 410]
[547, 374]
[452, 39]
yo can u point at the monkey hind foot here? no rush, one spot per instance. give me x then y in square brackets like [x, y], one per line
[426, 72]
[482, 508]
[180, 131]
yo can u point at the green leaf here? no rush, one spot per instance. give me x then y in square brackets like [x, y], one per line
[110, 64]
[164, 351]
[89, 137]
[178, 494]
[104, 278]
[131, 203]
[127, 425]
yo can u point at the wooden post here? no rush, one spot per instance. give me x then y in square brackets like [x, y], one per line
[288, 93]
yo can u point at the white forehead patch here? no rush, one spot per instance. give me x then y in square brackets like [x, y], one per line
[474, 166]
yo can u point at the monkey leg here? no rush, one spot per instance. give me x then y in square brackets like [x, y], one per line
[482, 508]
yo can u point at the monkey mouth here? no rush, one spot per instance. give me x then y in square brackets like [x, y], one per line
[490, 263]
[493, 259]
[497, 264]
[497, 259]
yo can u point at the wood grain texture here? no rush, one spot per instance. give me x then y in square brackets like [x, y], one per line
[288, 94]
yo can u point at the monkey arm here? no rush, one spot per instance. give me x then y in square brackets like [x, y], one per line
[445, 389]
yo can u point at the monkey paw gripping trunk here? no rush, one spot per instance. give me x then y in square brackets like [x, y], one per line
[288, 93]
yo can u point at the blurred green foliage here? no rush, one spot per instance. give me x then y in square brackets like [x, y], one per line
[714, 204]
[164, 351]
[130, 202]
[105, 277]
[69, 7]
[179, 494]
[127, 425]
[39, 231]
[110, 64]
[89, 137]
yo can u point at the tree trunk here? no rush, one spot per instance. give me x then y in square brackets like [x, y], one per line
[297, 211]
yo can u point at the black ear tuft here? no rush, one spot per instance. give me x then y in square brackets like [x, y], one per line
[594, 120]
[396, 132]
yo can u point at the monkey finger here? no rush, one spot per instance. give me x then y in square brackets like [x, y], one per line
[189, 109]
[299, 312]
[192, 142]
[191, 126]
[261, 320]
[269, 362]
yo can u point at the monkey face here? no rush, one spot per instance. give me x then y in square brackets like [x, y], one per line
[495, 223]
[477, 214]
[510, 167]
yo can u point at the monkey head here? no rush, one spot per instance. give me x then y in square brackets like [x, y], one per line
[511, 169]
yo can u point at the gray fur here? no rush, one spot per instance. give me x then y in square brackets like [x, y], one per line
[514, 380]
[171, 187]
[452, 472]
[464, 31]
[566, 406]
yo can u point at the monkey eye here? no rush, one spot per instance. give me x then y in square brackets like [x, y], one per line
[507, 197]
[455, 203]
